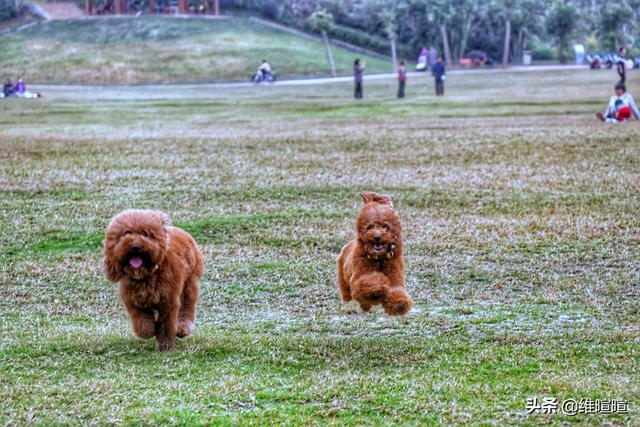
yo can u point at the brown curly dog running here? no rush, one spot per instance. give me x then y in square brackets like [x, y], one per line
[370, 267]
[158, 269]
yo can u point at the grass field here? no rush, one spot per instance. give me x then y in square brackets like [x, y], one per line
[521, 223]
[161, 49]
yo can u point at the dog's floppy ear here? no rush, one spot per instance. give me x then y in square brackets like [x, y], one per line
[369, 196]
[164, 218]
[111, 270]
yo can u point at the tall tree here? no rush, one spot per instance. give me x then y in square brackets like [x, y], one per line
[388, 16]
[506, 47]
[444, 14]
[527, 21]
[614, 18]
[560, 24]
[321, 20]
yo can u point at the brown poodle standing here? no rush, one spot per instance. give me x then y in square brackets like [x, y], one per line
[370, 267]
[158, 268]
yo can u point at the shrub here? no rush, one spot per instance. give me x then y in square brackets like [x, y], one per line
[542, 51]
[362, 39]
[270, 10]
[8, 9]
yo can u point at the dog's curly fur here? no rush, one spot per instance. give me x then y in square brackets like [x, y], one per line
[371, 267]
[158, 268]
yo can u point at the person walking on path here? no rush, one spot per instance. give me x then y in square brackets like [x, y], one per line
[358, 69]
[621, 66]
[402, 79]
[438, 74]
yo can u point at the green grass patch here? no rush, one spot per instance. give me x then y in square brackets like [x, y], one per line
[520, 230]
[163, 49]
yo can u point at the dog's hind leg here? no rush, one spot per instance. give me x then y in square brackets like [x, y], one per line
[343, 284]
[187, 316]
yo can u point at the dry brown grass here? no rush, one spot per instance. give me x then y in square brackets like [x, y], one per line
[521, 237]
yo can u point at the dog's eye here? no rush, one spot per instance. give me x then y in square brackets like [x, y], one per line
[126, 233]
[145, 233]
[370, 227]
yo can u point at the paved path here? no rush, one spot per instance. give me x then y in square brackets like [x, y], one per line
[199, 90]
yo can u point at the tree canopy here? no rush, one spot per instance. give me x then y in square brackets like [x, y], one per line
[501, 28]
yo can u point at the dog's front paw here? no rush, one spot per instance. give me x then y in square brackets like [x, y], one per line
[185, 327]
[365, 307]
[397, 302]
[165, 344]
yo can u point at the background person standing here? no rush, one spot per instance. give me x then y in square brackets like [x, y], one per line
[358, 69]
[402, 79]
[438, 75]
[621, 66]
[433, 55]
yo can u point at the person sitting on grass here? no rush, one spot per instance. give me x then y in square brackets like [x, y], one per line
[20, 91]
[621, 107]
[20, 88]
[7, 89]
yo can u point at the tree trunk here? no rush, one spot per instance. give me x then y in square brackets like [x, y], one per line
[465, 37]
[445, 43]
[507, 41]
[562, 51]
[522, 39]
[394, 54]
[327, 47]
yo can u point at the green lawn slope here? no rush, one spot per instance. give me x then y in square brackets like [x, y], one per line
[161, 49]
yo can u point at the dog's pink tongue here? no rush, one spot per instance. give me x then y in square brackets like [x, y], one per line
[135, 262]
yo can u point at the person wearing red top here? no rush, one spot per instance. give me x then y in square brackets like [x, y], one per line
[402, 79]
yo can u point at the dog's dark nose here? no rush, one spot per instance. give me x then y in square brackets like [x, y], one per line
[135, 247]
[377, 238]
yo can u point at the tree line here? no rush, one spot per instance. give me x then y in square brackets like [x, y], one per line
[503, 29]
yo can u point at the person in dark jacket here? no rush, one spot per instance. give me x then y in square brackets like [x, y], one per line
[7, 89]
[621, 66]
[358, 69]
[402, 79]
[438, 75]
